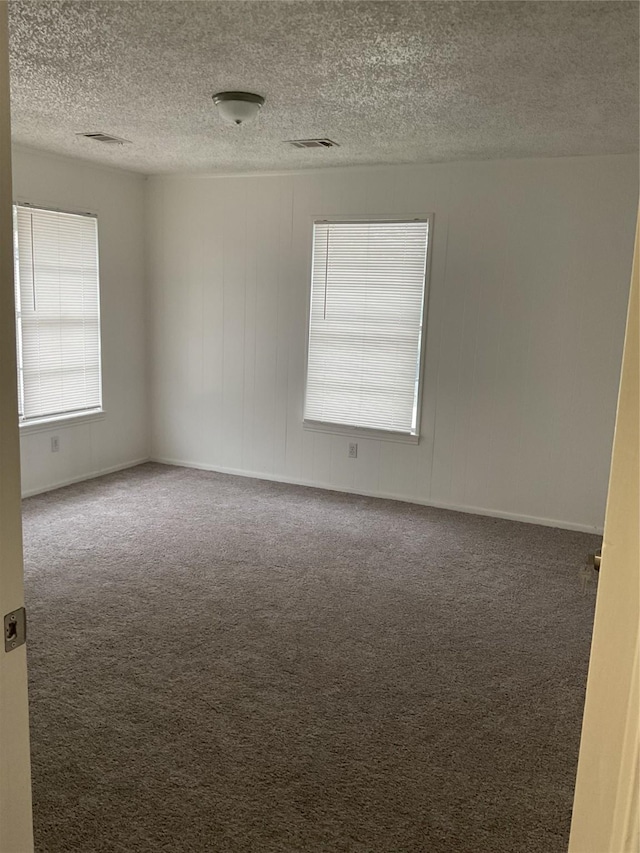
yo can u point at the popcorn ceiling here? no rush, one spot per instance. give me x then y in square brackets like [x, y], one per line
[391, 82]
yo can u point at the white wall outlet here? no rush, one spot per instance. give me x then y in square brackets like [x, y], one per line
[55, 443]
[353, 450]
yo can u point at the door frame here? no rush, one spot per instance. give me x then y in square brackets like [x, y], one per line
[16, 827]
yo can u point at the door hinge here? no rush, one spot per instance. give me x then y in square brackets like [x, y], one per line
[595, 559]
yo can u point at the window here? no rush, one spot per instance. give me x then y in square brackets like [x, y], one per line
[57, 313]
[368, 286]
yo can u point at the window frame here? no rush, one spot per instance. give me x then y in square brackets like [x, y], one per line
[348, 429]
[97, 413]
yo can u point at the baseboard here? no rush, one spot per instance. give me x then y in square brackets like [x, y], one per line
[472, 510]
[123, 466]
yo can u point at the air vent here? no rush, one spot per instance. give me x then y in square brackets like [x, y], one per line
[313, 143]
[98, 136]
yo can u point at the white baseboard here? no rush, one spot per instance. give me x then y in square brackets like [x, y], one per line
[473, 510]
[50, 488]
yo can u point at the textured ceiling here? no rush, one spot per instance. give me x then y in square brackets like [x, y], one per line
[391, 82]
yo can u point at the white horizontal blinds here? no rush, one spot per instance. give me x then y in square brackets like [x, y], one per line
[59, 312]
[367, 298]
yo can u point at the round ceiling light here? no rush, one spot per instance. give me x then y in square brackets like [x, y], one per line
[238, 107]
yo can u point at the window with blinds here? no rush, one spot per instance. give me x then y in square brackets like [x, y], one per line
[57, 313]
[368, 286]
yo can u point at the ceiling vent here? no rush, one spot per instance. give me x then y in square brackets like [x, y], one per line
[98, 136]
[313, 143]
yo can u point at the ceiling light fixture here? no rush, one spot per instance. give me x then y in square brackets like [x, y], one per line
[238, 107]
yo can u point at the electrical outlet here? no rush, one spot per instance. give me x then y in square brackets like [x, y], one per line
[55, 443]
[353, 450]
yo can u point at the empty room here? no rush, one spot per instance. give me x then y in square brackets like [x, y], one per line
[318, 435]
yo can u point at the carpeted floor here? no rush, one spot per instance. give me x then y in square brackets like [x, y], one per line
[229, 665]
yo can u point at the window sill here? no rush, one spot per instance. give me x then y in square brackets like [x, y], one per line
[49, 424]
[362, 432]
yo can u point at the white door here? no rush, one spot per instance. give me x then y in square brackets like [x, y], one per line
[16, 833]
[607, 800]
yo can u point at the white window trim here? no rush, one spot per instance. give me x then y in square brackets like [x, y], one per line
[362, 432]
[66, 420]
[22, 202]
[346, 429]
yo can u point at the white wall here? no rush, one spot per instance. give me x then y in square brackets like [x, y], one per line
[121, 437]
[529, 282]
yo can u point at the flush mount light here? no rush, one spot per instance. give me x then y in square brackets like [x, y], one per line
[238, 107]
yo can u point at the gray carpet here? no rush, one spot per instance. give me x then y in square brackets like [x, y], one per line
[222, 664]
